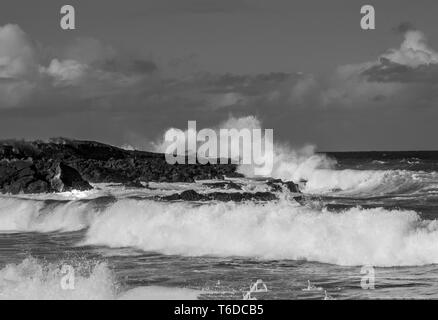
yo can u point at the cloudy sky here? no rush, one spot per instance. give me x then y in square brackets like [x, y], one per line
[305, 68]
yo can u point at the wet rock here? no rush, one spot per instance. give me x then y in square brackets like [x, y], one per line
[224, 185]
[98, 162]
[65, 178]
[19, 176]
[293, 187]
[191, 195]
[244, 196]
[38, 186]
[276, 185]
[136, 184]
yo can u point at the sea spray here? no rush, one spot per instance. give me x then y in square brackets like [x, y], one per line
[277, 230]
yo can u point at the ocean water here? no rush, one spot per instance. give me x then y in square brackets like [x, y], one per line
[376, 210]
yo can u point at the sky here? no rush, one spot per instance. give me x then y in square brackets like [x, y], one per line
[133, 69]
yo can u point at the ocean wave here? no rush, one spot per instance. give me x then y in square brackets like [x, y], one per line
[34, 280]
[319, 173]
[278, 230]
[20, 215]
[274, 230]
[368, 183]
[91, 280]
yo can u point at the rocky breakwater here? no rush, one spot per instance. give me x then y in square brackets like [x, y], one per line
[233, 192]
[63, 164]
[27, 176]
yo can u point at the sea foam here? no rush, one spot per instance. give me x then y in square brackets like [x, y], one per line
[275, 230]
[32, 279]
[279, 230]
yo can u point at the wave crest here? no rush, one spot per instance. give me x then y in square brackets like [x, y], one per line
[272, 231]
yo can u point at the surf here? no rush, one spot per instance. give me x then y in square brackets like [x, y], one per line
[33, 279]
[272, 231]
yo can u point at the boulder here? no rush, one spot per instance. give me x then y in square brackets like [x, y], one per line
[19, 176]
[135, 184]
[276, 185]
[100, 163]
[292, 187]
[192, 195]
[224, 185]
[65, 178]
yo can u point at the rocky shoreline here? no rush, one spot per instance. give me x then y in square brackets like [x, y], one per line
[63, 165]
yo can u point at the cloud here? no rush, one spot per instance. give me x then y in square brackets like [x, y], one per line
[87, 72]
[87, 51]
[401, 77]
[18, 66]
[17, 54]
[414, 62]
[87, 67]
[65, 72]
[124, 97]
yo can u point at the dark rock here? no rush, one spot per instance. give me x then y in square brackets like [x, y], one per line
[38, 186]
[172, 197]
[65, 178]
[234, 174]
[299, 199]
[19, 176]
[276, 185]
[293, 187]
[191, 195]
[134, 184]
[33, 167]
[224, 185]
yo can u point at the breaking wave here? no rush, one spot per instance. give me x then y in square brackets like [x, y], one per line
[272, 231]
[36, 280]
[371, 182]
[318, 174]
[23, 215]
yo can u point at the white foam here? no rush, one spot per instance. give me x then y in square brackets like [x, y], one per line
[274, 230]
[160, 293]
[18, 215]
[327, 180]
[34, 280]
[321, 175]
[278, 230]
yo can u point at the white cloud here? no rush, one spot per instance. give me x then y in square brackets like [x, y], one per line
[358, 85]
[87, 66]
[18, 66]
[66, 72]
[17, 54]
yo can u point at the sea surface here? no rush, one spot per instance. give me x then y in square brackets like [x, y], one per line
[367, 229]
